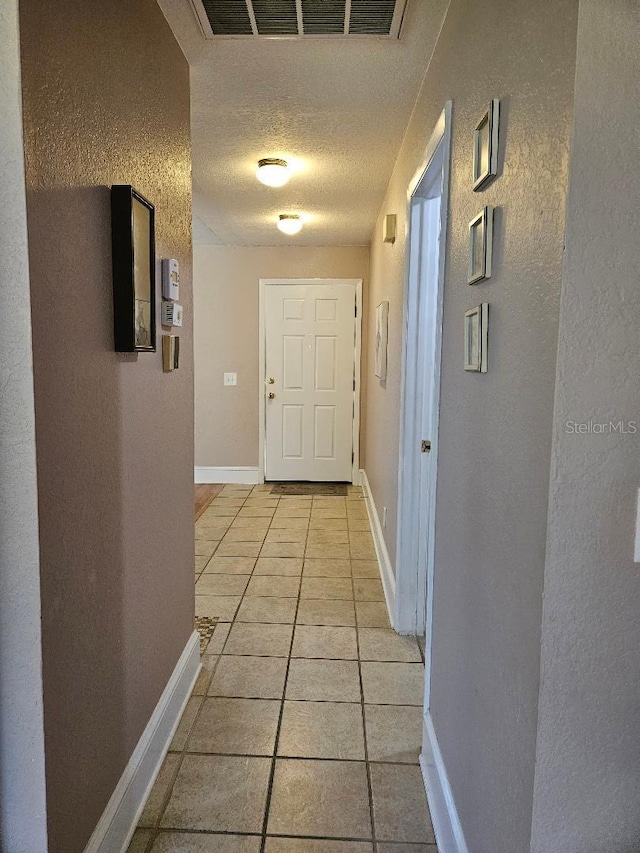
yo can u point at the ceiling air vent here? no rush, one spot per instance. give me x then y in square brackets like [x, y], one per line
[300, 18]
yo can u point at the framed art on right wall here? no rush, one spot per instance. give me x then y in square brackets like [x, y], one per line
[485, 146]
[476, 338]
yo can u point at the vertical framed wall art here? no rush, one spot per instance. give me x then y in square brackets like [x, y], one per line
[382, 333]
[476, 338]
[134, 270]
[480, 246]
[485, 146]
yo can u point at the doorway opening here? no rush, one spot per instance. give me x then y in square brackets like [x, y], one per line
[427, 198]
[309, 406]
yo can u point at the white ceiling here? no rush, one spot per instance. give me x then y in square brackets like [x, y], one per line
[337, 108]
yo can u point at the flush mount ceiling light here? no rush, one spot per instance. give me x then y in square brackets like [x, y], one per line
[290, 223]
[273, 172]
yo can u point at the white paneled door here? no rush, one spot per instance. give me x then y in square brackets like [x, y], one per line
[309, 381]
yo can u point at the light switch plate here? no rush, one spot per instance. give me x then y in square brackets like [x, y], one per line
[231, 379]
[636, 548]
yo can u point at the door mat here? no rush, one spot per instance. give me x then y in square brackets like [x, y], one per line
[338, 490]
[205, 626]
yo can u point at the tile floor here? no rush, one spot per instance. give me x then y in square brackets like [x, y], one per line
[303, 731]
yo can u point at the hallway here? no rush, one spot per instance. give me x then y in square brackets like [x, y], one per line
[308, 705]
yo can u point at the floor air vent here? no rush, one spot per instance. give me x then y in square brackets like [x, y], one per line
[296, 18]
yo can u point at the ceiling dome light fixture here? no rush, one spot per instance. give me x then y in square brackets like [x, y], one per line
[290, 223]
[273, 172]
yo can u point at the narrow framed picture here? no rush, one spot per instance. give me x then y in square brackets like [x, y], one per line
[134, 270]
[485, 146]
[476, 338]
[382, 333]
[480, 245]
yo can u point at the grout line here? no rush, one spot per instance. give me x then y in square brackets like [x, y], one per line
[364, 728]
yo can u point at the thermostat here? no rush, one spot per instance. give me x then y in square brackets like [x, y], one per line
[170, 279]
[171, 314]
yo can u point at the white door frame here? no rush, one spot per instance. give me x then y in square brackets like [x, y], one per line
[414, 582]
[262, 365]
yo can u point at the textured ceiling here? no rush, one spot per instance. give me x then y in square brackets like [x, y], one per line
[337, 109]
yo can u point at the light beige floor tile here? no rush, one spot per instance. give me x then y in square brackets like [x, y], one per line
[200, 563]
[400, 811]
[286, 534]
[372, 614]
[383, 644]
[186, 722]
[328, 537]
[256, 512]
[328, 524]
[360, 538]
[138, 843]
[312, 845]
[291, 566]
[322, 568]
[284, 523]
[244, 534]
[231, 548]
[295, 500]
[394, 733]
[328, 552]
[213, 523]
[359, 525]
[214, 584]
[267, 609]
[393, 683]
[283, 549]
[210, 532]
[249, 677]
[231, 565]
[208, 662]
[235, 727]
[367, 589]
[327, 588]
[341, 812]
[313, 612]
[181, 842]
[362, 552]
[227, 501]
[250, 523]
[219, 638]
[329, 501]
[277, 586]
[203, 679]
[259, 639]
[407, 848]
[335, 512]
[199, 800]
[323, 680]
[264, 502]
[218, 511]
[322, 730]
[160, 791]
[313, 641]
[365, 569]
[221, 607]
[205, 547]
[300, 511]
[357, 511]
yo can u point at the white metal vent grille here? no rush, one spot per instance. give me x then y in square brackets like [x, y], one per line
[300, 18]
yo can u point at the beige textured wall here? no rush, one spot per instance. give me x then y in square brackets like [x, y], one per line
[226, 335]
[106, 100]
[495, 429]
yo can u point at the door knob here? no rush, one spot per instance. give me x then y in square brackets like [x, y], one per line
[271, 395]
[271, 380]
[425, 446]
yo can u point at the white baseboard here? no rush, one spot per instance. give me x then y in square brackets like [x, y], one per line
[250, 476]
[384, 561]
[119, 819]
[444, 816]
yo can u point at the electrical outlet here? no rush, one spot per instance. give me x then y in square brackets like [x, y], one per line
[384, 518]
[231, 379]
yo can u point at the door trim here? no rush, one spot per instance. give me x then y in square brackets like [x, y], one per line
[263, 283]
[410, 582]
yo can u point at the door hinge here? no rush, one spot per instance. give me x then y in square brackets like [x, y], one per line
[353, 457]
[354, 384]
[356, 314]
[425, 446]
